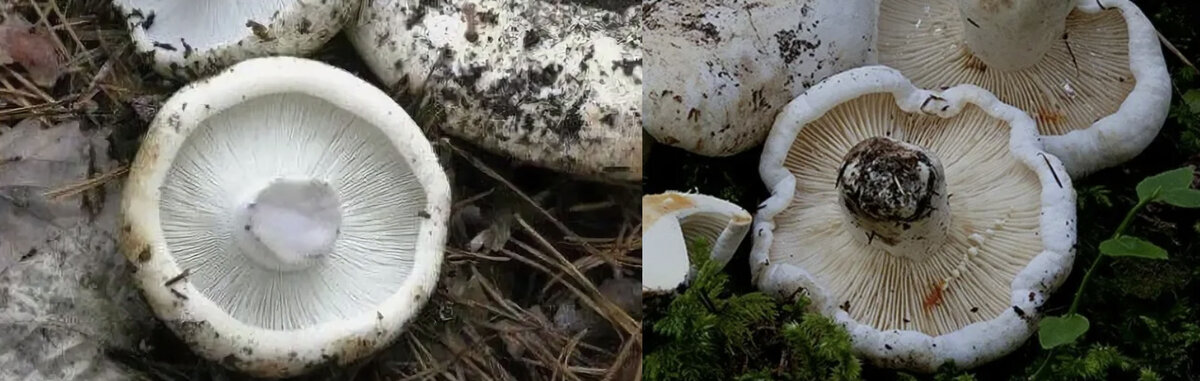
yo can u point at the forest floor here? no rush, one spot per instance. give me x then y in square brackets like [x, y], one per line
[1144, 317]
[541, 273]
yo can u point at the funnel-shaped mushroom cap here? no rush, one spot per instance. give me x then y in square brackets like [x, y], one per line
[672, 220]
[718, 72]
[191, 38]
[284, 214]
[553, 83]
[1091, 73]
[930, 224]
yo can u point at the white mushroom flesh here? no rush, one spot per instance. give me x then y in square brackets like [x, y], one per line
[1065, 73]
[1013, 34]
[290, 223]
[990, 232]
[343, 184]
[674, 220]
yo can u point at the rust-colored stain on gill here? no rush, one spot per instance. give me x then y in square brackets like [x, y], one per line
[1046, 117]
[934, 298]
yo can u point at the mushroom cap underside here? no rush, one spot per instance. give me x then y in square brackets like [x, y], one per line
[1107, 62]
[193, 38]
[992, 195]
[1007, 245]
[215, 145]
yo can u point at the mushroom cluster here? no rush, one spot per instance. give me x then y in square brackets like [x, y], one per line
[285, 214]
[552, 83]
[931, 224]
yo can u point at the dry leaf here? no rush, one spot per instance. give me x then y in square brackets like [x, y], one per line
[32, 48]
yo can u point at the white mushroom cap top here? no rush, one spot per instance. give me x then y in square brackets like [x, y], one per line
[191, 38]
[930, 224]
[718, 72]
[1091, 73]
[672, 219]
[284, 214]
[552, 83]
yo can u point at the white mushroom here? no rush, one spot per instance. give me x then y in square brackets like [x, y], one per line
[930, 224]
[672, 220]
[285, 214]
[192, 38]
[717, 73]
[1090, 72]
[556, 84]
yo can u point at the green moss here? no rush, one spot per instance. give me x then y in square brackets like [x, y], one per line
[709, 334]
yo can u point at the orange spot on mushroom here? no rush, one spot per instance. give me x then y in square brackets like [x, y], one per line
[1046, 116]
[934, 298]
[657, 205]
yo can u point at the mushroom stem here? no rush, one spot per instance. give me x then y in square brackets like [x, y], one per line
[289, 224]
[1013, 34]
[895, 193]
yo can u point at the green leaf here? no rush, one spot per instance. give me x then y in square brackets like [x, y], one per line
[1192, 99]
[1183, 198]
[1127, 246]
[1180, 178]
[1054, 331]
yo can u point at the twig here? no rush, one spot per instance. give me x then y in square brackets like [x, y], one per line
[496, 176]
[1171, 47]
[621, 319]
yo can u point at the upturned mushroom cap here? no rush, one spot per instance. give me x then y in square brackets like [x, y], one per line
[192, 38]
[285, 214]
[671, 220]
[717, 73]
[553, 83]
[1091, 73]
[930, 224]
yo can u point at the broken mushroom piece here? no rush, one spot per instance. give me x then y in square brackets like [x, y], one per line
[674, 220]
[285, 214]
[556, 84]
[930, 224]
[1091, 73]
[717, 73]
[192, 38]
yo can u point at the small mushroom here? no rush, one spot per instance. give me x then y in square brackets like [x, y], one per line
[1090, 72]
[673, 219]
[556, 84]
[930, 224]
[285, 214]
[193, 38]
[718, 72]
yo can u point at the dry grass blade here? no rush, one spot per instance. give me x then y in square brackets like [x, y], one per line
[1171, 47]
[592, 297]
[77, 188]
